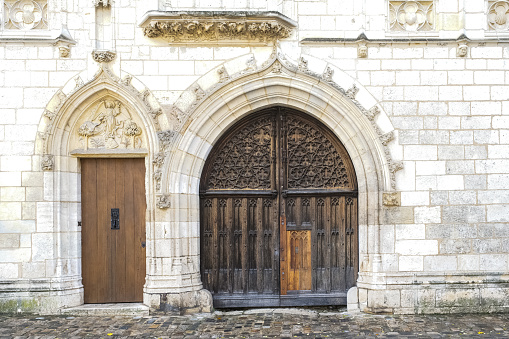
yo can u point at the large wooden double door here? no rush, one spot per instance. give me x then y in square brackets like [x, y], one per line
[279, 222]
[113, 229]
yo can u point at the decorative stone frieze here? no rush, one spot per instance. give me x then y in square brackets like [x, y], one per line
[411, 15]
[25, 15]
[498, 15]
[47, 162]
[217, 27]
[103, 56]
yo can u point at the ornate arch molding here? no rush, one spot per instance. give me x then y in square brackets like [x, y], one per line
[245, 76]
[133, 102]
[243, 85]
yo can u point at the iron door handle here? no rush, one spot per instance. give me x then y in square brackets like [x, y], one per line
[143, 244]
[115, 219]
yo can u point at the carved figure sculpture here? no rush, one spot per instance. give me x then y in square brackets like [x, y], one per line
[111, 127]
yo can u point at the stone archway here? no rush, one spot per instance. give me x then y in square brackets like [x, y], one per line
[103, 117]
[352, 114]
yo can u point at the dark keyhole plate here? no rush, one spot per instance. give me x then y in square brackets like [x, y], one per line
[115, 219]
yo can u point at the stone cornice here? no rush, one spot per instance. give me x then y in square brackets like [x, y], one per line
[402, 40]
[217, 27]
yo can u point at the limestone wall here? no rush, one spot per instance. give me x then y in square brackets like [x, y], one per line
[442, 247]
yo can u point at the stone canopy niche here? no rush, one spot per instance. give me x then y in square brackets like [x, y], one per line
[107, 126]
[217, 27]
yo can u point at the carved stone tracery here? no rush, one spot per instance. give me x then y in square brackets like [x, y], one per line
[25, 15]
[411, 15]
[498, 15]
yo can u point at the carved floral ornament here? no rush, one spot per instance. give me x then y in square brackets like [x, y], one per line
[216, 28]
[411, 15]
[25, 15]
[498, 15]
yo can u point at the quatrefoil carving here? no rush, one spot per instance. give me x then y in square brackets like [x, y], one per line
[411, 15]
[498, 15]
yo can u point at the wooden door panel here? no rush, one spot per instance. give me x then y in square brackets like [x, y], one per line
[113, 260]
[298, 260]
[274, 216]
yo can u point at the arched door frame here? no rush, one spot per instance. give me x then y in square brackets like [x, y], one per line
[350, 114]
[61, 177]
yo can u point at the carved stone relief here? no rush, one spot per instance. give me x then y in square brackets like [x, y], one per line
[462, 50]
[25, 15]
[411, 15]
[109, 126]
[103, 56]
[209, 29]
[498, 15]
[64, 51]
[163, 201]
[362, 50]
[104, 3]
[391, 199]
[47, 162]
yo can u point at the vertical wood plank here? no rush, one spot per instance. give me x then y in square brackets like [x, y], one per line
[122, 235]
[140, 229]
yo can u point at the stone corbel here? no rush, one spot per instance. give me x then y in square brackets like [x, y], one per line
[103, 56]
[225, 27]
[462, 49]
[391, 199]
[163, 201]
[362, 49]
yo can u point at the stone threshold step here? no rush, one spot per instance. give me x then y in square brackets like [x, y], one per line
[129, 309]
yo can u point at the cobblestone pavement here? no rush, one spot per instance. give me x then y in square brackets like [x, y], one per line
[259, 323]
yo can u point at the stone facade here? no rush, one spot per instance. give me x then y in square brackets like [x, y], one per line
[417, 91]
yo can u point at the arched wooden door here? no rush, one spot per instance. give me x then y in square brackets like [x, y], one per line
[279, 222]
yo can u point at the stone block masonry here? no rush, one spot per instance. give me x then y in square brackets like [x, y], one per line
[442, 247]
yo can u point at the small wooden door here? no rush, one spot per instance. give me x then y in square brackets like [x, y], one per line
[278, 214]
[113, 229]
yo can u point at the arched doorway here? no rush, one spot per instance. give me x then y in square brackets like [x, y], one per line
[279, 221]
